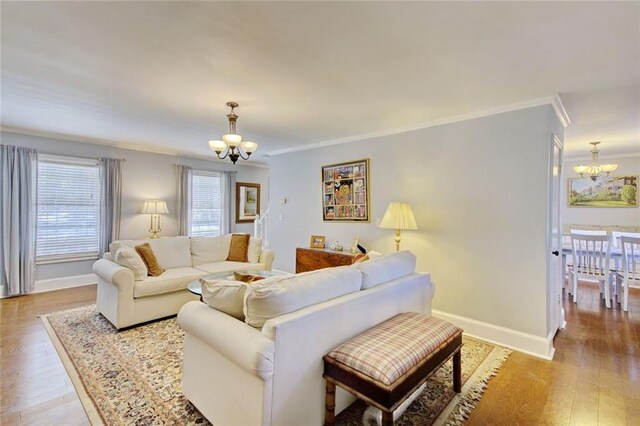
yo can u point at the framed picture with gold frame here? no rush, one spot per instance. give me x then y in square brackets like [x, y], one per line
[345, 192]
[247, 201]
[317, 241]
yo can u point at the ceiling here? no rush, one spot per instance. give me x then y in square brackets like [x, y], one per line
[157, 75]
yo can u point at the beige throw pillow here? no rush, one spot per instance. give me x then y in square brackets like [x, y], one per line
[129, 258]
[225, 296]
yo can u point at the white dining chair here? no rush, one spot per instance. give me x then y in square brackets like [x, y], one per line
[590, 255]
[630, 267]
[567, 263]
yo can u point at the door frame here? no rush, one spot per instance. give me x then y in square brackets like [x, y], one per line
[554, 284]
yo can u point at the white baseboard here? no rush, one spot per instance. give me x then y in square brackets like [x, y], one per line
[524, 342]
[64, 282]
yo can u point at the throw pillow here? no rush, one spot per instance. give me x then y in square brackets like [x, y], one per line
[239, 248]
[224, 296]
[149, 259]
[129, 258]
[255, 248]
[246, 278]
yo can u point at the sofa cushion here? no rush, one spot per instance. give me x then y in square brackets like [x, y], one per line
[225, 296]
[228, 266]
[173, 252]
[385, 268]
[150, 261]
[129, 258]
[210, 249]
[275, 296]
[255, 248]
[172, 280]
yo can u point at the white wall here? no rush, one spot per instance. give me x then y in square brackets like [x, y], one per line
[145, 176]
[478, 189]
[607, 216]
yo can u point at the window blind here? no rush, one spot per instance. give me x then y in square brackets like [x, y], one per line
[206, 208]
[68, 209]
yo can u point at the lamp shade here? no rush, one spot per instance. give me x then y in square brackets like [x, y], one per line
[154, 207]
[398, 216]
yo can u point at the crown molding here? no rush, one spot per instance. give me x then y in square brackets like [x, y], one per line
[555, 101]
[603, 157]
[154, 149]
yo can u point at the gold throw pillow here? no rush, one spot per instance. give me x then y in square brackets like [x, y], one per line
[149, 259]
[239, 249]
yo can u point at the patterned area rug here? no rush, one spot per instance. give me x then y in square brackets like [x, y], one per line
[134, 376]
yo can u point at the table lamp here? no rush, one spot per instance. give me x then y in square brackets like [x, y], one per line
[155, 208]
[398, 216]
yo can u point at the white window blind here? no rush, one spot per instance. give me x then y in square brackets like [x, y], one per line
[206, 204]
[68, 209]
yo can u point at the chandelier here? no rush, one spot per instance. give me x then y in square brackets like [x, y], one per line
[595, 170]
[232, 144]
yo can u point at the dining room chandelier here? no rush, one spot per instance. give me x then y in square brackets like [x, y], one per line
[595, 169]
[232, 144]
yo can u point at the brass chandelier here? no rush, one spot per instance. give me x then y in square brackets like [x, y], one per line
[232, 144]
[595, 169]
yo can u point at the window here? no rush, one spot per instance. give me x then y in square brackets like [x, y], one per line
[206, 204]
[68, 208]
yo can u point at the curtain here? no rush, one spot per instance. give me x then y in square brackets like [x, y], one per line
[18, 218]
[227, 185]
[110, 201]
[183, 198]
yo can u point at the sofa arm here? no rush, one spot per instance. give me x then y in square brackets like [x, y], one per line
[266, 258]
[113, 273]
[241, 344]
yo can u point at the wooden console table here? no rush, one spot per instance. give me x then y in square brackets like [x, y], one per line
[309, 259]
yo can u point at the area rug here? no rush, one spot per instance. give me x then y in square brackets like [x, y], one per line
[134, 376]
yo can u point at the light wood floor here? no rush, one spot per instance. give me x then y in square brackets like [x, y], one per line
[593, 379]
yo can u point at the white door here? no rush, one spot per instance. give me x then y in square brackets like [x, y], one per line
[556, 274]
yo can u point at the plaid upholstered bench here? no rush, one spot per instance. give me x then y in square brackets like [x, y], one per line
[387, 363]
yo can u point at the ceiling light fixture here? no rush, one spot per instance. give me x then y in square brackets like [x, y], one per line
[595, 170]
[232, 144]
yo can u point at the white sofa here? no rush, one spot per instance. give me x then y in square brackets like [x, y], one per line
[125, 301]
[236, 374]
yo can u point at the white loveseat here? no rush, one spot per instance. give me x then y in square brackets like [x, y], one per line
[125, 301]
[236, 374]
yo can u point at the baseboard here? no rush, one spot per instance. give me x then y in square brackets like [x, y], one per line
[524, 342]
[64, 282]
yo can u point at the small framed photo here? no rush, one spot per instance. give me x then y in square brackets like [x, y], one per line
[317, 241]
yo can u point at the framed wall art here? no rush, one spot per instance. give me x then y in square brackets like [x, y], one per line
[247, 201]
[616, 191]
[345, 192]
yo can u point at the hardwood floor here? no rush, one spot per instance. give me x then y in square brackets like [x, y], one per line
[593, 379]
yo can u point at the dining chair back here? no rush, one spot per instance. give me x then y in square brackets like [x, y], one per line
[630, 267]
[590, 255]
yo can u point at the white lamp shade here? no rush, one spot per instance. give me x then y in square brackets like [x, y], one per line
[608, 167]
[217, 146]
[398, 216]
[231, 139]
[249, 146]
[581, 169]
[154, 207]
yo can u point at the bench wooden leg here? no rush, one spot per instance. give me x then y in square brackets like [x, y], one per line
[330, 404]
[387, 418]
[457, 371]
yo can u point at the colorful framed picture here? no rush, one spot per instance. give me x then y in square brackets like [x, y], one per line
[345, 192]
[317, 241]
[616, 191]
[247, 201]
